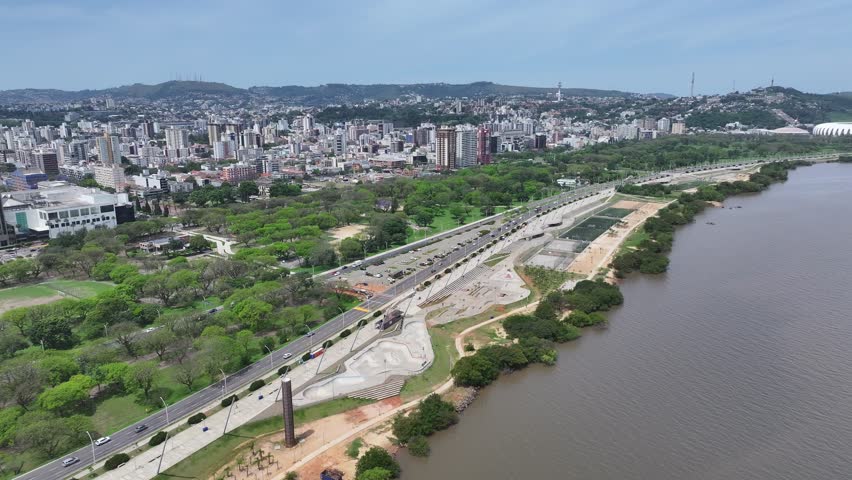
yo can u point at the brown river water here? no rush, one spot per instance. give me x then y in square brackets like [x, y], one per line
[736, 364]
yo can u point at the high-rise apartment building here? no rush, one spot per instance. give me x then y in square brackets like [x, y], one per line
[678, 128]
[465, 147]
[483, 150]
[177, 138]
[214, 133]
[664, 125]
[109, 152]
[445, 147]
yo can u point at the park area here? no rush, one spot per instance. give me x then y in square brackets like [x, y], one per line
[46, 292]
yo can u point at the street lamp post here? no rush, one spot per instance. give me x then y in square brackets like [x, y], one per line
[271, 365]
[166, 405]
[92, 440]
[224, 383]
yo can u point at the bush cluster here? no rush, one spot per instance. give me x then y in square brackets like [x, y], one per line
[256, 384]
[116, 460]
[196, 419]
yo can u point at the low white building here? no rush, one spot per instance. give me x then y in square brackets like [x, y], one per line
[49, 212]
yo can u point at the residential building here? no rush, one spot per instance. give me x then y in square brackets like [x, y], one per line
[214, 133]
[678, 128]
[111, 176]
[177, 138]
[445, 148]
[465, 147]
[109, 151]
[483, 150]
[238, 172]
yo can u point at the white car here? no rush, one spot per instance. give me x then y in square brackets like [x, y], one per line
[70, 461]
[287, 355]
[102, 441]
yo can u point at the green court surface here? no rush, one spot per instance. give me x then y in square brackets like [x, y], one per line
[590, 229]
[616, 212]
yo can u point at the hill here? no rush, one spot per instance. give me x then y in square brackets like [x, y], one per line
[318, 95]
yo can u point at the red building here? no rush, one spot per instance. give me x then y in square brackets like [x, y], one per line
[483, 146]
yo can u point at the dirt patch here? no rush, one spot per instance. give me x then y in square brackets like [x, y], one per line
[340, 233]
[10, 304]
[628, 204]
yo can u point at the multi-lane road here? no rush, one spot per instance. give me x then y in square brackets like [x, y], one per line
[128, 437]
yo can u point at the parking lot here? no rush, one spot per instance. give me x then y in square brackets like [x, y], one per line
[372, 278]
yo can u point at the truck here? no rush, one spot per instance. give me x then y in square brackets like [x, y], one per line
[316, 353]
[389, 319]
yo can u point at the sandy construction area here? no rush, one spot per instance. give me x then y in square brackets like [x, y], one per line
[340, 233]
[599, 253]
[10, 303]
[312, 436]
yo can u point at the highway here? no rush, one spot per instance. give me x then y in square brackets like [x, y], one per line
[196, 402]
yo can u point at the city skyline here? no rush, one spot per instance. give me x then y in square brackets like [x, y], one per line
[631, 46]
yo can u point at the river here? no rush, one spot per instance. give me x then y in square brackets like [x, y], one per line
[736, 364]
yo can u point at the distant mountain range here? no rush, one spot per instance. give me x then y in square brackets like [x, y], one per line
[323, 94]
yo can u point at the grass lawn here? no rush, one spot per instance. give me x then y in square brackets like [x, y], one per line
[78, 288]
[495, 259]
[446, 222]
[27, 292]
[437, 373]
[117, 412]
[638, 236]
[205, 462]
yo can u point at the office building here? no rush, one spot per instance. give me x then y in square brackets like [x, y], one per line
[49, 212]
[24, 180]
[445, 148]
[47, 161]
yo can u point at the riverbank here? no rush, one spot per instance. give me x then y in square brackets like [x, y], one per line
[732, 365]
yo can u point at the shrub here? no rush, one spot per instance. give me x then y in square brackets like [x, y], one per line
[226, 402]
[196, 419]
[361, 322]
[377, 457]
[306, 357]
[327, 343]
[354, 448]
[116, 460]
[157, 439]
[256, 384]
[468, 347]
[284, 370]
[377, 314]
[419, 446]
[345, 333]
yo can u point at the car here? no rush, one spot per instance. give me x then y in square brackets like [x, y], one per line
[70, 461]
[140, 428]
[287, 355]
[377, 275]
[336, 273]
[102, 441]
[311, 333]
[149, 329]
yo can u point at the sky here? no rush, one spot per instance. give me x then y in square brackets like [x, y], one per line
[647, 46]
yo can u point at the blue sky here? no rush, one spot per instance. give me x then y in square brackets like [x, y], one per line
[633, 45]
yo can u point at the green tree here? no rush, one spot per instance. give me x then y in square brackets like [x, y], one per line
[351, 248]
[419, 446]
[67, 395]
[143, 376]
[197, 243]
[55, 331]
[246, 190]
[377, 457]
